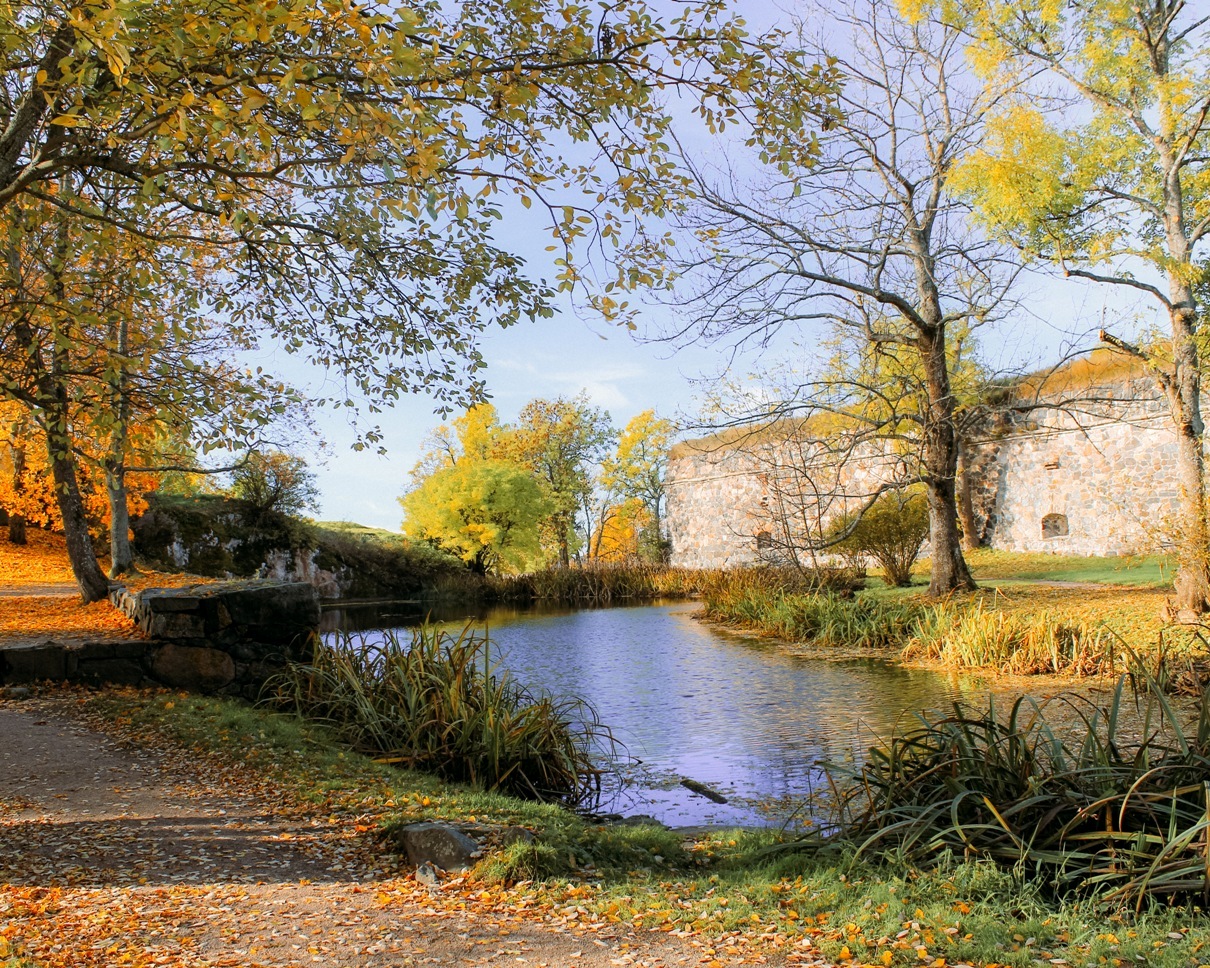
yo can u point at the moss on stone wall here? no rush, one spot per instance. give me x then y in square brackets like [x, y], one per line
[224, 537]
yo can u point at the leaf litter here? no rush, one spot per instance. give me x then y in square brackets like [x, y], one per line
[115, 855]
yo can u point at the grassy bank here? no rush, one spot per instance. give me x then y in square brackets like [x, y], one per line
[721, 888]
[1013, 625]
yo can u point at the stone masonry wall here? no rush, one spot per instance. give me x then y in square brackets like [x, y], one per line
[227, 637]
[738, 505]
[1099, 479]
[1104, 487]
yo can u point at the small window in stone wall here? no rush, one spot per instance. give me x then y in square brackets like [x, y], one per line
[764, 541]
[1054, 526]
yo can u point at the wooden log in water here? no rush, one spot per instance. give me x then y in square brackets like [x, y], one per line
[703, 790]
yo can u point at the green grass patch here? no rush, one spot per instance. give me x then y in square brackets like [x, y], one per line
[1145, 571]
[883, 914]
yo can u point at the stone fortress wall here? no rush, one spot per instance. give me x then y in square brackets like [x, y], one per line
[1092, 474]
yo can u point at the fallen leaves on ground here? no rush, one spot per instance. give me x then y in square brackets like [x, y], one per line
[42, 560]
[56, 617]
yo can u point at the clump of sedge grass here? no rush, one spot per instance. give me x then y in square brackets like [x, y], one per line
[966, 636]
[1093, 812]
[434, 702]
[818, 608]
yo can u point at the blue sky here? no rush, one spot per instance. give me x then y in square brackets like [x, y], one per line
[625, 374]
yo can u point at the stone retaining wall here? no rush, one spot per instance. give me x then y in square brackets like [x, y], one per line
[227, 637]
[1095, 479]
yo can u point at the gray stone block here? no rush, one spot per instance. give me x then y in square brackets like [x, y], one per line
[438, 844]
[189, 667]
[176, 625]
[33, 663]
[126, 672]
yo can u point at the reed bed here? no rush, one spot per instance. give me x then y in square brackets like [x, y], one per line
[815, 608]
[434, 702]
[1116, 807]
[970, 636]
[601, 584]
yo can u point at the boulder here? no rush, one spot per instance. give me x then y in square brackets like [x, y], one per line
[439, 844]
[192, 667]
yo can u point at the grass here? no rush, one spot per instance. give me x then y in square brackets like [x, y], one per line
[1144, 571]
[1114, 810]
[1010, 625]
[435, 701]
[846, 907]
[979, 635]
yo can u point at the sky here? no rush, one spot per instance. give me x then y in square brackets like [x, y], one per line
[621, 372]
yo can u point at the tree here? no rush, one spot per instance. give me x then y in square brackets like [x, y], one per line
[868, 236]
[115, 367]
[488, 512]
[891, 531]
[1105, 176]
[347, 161]
[636, 473]
[275, 482]
[560, 441]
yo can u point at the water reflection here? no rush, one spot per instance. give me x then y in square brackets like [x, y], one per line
[740, 715]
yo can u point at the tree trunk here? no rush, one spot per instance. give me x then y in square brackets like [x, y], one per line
[121, 556]
[16, 520]
[966, 503]
[949, 570]
[1192, 583]
[92, 581]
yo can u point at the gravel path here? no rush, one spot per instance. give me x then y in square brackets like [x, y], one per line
[112, 856]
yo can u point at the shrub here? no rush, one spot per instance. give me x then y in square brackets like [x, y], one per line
[891, 531]
[434, 702]
[1094, 813]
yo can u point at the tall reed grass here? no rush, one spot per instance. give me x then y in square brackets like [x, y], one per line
[434, 702]
[601, 584]
[809, 607]
[1116, 807]
[966, 636]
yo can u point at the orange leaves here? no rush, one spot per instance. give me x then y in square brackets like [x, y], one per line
[41, 561]
[56, 617]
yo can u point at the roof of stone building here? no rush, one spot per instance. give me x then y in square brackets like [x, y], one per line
[1101, 369]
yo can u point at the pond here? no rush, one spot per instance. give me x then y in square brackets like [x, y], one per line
[746, 718]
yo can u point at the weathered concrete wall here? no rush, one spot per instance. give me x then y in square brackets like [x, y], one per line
[1096, 479]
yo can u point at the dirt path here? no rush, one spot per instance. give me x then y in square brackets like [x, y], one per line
[111, 856]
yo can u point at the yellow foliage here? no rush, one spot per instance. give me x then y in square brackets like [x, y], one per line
[1022, 172]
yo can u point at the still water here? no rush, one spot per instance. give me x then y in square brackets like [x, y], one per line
[747, 718]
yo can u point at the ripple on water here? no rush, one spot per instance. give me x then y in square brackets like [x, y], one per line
[742, 716]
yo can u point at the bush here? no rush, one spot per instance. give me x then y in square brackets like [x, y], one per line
[891, 531]
[1096, 812]
[435, 703]
[275, 482]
